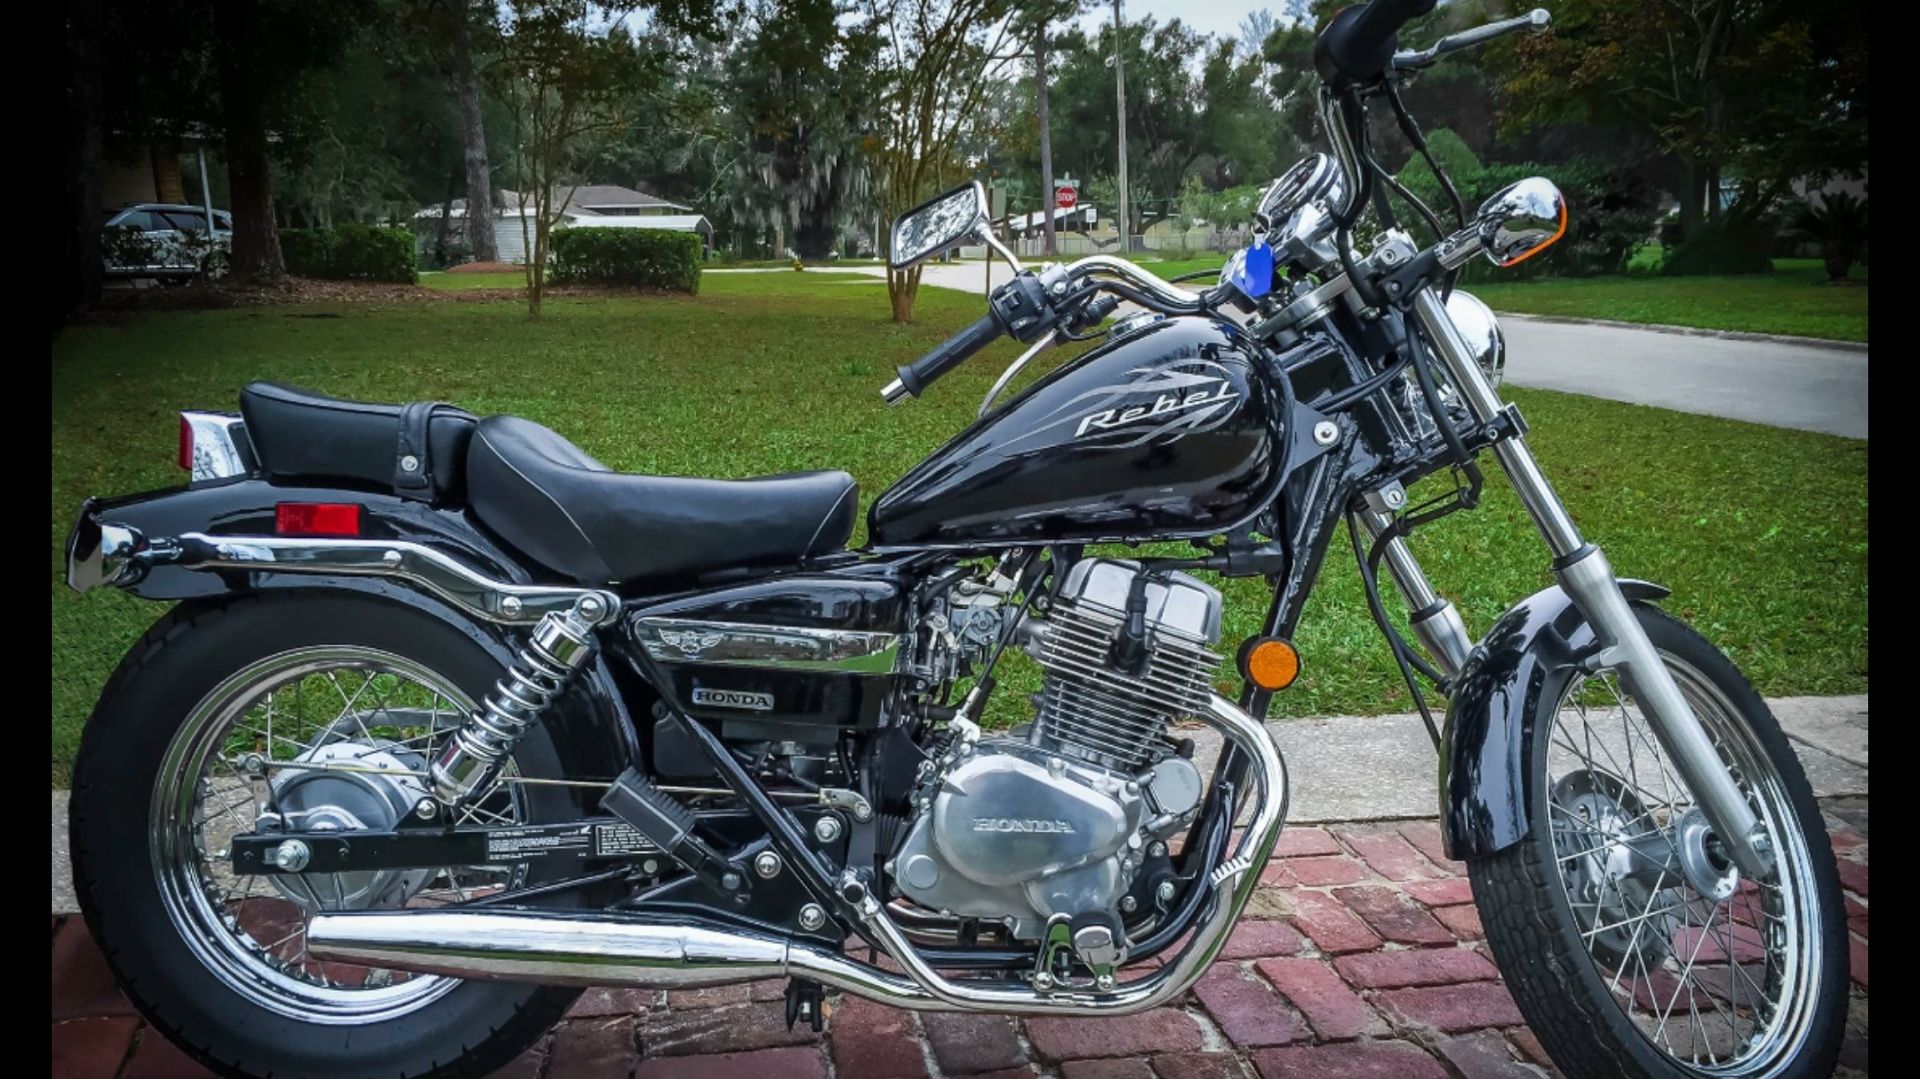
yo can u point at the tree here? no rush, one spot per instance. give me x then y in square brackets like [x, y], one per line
[473, 132]
[85, 33]
[1838, 223]
[1746, 96]
[567, 67]
[1037, 18]
[263, 49]
[799, 90]
[940, 56]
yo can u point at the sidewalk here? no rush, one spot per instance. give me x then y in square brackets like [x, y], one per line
[1361, 955]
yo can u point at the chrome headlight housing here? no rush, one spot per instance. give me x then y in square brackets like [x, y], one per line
[1481, 331]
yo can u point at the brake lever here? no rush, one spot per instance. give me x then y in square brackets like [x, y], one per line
[1536, 20]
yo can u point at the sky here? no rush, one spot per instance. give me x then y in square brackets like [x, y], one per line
[1216, 17]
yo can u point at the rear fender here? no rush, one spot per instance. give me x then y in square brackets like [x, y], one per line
[591, 724]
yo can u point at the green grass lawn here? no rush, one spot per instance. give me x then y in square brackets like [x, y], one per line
[460, 282]
[1794, 299]
[1762, 533]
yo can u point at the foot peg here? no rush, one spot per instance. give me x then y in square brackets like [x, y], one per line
[655, 814]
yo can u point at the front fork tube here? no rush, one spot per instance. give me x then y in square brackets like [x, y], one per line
[1434, 619]
[1584, 574]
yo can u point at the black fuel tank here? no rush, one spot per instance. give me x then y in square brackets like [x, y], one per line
[1168, 431]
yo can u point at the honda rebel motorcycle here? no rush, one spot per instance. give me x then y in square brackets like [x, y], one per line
[449, 720]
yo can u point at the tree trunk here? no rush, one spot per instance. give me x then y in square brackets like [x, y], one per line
[1040, 95]
[903, 287]
[85, 273]
[446, 222]
[480, 238]
[1692, 200]
[256, 242]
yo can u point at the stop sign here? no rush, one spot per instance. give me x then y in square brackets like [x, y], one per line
[1066, 197]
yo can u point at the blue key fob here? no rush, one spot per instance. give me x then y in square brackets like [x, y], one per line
[1259, 269]
[1251, 270]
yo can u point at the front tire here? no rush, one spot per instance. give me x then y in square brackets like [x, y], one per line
[185, 938]
[1619, 967]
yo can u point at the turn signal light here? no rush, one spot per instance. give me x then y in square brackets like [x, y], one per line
[1269, 663]
[317, 518]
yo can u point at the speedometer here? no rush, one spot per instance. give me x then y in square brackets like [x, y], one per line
[1312, 179]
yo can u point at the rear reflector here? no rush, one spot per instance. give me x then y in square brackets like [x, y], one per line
[317, 518]
[186, 445]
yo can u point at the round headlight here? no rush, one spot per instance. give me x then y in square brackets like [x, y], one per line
[1481, 331]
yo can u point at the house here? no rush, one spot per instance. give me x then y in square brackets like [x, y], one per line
[595, 205]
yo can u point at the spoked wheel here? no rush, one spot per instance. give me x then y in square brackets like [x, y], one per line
[309, 711]
[1633, 943]
[331, 738]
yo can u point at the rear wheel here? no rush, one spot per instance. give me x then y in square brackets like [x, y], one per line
[1631, 943]
[314, 711]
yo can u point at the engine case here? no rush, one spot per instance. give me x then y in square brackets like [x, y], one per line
[1013, 831]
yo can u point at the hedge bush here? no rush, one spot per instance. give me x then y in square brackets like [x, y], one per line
[351, 253]
[641, 258]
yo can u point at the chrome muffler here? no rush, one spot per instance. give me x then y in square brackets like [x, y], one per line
[594, 948]
[586, 948]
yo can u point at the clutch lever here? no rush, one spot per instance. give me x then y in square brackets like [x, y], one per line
[1052, 338]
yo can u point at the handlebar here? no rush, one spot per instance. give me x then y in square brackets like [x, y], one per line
[1022, 309]
[946, 356]
[1357, 45]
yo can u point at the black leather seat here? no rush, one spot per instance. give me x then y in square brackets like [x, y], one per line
[572, 514]
[298, 434]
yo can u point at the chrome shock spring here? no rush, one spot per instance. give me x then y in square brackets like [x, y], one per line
[559, 646]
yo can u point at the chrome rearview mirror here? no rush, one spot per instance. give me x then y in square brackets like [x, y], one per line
[1521, 220]
[935, 226]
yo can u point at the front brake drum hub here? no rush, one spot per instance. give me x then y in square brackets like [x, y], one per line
[1595, 818]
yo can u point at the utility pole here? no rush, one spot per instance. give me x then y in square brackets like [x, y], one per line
[1120, 96]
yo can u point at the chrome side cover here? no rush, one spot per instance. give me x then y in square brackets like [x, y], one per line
[793, 648]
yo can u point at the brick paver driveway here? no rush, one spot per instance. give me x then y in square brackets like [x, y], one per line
[1361, 957]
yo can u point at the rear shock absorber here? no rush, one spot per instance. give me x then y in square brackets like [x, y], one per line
[560, 645]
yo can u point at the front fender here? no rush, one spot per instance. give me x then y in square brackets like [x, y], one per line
[1522, 665]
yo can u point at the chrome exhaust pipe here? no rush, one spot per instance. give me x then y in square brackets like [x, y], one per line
[586, 948]
[597, 948]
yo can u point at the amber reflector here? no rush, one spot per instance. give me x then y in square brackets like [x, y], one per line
[1270, 663]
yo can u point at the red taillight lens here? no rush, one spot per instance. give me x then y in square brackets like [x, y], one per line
[317, 518]
[186, 445]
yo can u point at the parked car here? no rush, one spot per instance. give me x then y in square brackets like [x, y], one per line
[165, 241]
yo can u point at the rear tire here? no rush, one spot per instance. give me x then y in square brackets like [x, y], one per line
[1603, 995]
[126, 894]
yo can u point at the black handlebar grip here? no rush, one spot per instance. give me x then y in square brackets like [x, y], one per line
[950, 354]
[1358, 43]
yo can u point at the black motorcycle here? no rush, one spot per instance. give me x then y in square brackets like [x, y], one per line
[449, 720]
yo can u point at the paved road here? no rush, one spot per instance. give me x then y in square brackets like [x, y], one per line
[1807, 387]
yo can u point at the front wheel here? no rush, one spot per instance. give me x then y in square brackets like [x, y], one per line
[1631, 943]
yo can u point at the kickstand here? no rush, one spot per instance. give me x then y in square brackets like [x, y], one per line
[804, 1000]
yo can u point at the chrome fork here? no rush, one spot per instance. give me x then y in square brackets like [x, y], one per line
[1583, 571]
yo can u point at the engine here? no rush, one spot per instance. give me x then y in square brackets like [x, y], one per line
[1057, 818]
